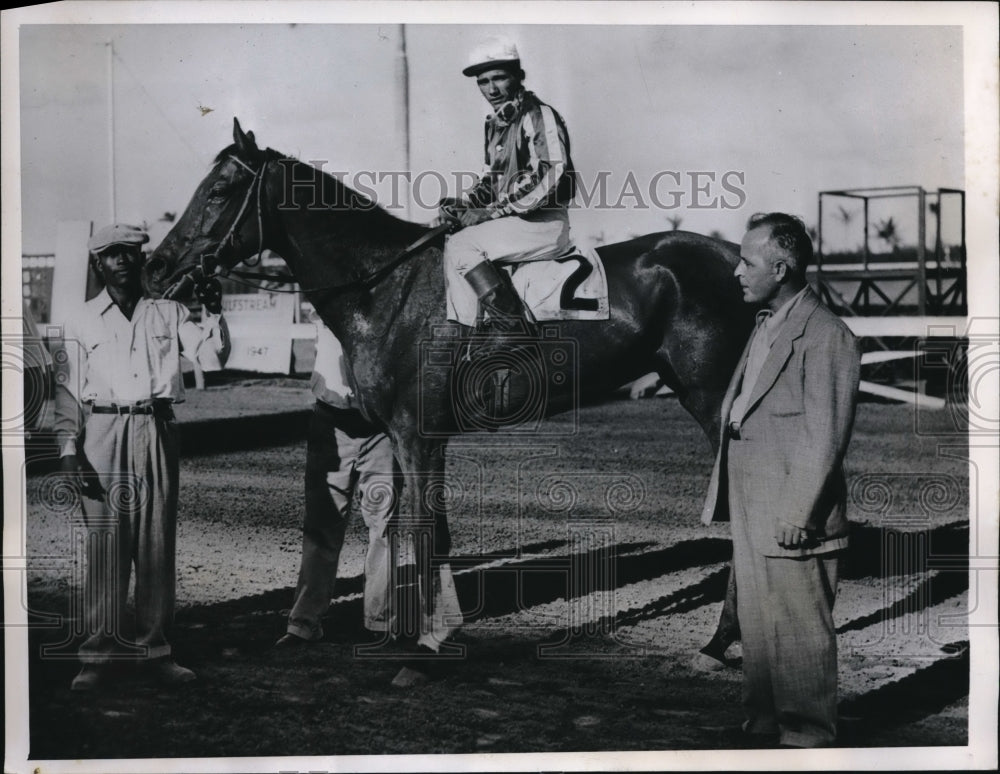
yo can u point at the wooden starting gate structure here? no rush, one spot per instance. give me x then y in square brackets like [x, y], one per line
[917, 281]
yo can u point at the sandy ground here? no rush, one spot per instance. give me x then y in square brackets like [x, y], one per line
[551, 663]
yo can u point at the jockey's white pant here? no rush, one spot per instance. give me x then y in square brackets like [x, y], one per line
[513, 239]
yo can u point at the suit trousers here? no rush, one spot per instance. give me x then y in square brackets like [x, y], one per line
[337, 464]
[785, 611]
[135, 458]
[510, 239]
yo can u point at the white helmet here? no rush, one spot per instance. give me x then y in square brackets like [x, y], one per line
[492, 53]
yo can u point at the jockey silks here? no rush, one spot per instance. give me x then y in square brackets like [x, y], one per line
[527, 155]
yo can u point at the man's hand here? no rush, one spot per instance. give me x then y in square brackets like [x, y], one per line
[449, 211]
[209, 292]
[790, 536]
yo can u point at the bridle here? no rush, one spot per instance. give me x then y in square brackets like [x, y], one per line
[211, 264]
[229, 240]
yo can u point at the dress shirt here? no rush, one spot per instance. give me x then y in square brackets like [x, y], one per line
[108, 358]
[766, 331]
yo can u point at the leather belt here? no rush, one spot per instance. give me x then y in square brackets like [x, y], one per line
[135, 408]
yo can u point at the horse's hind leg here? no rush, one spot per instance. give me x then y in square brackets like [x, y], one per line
[704, 403]
[727, 631]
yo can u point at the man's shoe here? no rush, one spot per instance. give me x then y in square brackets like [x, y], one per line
[91, 677]
[291, 641]
[169, 672]
[712, 659]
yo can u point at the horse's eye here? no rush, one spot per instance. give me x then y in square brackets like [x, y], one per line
[219, 192]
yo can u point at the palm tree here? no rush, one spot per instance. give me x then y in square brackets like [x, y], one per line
[887, 232]
[846, 216]
[935, 208]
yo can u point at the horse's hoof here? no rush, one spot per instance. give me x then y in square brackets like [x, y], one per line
[407, 677]
[702, 662]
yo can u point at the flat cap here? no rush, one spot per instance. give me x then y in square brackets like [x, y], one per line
[492, 53]
[116, 234]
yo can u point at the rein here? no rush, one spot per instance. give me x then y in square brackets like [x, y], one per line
[362, 283]
[212, 264]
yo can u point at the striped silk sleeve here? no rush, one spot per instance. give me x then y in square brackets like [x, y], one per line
[483, 193]
[547, 146]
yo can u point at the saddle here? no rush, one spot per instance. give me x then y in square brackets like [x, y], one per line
[570, 284]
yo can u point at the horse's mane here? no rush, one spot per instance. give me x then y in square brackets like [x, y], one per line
[369, 215]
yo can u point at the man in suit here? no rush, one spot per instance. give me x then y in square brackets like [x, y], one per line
[786, 423]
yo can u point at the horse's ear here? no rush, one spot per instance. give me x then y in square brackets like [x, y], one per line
[246, 146]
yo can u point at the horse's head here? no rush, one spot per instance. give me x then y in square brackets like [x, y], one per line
[221, 226]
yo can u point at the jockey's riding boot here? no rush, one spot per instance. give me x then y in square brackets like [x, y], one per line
[506, 314]
[501, 348]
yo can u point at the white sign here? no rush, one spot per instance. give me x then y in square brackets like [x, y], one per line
[260, 326]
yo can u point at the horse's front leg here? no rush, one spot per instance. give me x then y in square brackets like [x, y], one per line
[424, 527]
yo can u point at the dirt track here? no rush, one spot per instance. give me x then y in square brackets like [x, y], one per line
[549, 666]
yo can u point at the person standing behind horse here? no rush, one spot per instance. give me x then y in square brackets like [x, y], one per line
[787, 418]
[517, 210]
[344, 453]
[121, 369]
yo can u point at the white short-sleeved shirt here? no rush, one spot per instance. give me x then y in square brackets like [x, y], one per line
[329, 381]
[108, 358]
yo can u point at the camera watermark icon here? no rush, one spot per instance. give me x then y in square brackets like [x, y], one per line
[26, 359]
[97, 616]
[511, 389]
[96, 563]
[965, 366]
[916, 559]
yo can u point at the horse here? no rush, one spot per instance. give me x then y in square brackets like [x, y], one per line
[377, 282]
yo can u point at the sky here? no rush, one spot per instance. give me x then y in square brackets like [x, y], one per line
[719, 121]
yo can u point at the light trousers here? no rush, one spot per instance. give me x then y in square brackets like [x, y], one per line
[338, 463]
[785, 611]
[511, 239]
[135, 458]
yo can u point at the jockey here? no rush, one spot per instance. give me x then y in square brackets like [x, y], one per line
[516, 211]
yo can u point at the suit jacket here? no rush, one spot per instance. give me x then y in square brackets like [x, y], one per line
[797, 427]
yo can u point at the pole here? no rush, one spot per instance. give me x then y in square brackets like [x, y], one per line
[922, 251]
[403, 78]
[111, 128]
[819, 248]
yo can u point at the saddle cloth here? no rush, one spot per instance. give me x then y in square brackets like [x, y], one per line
[568, 286]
